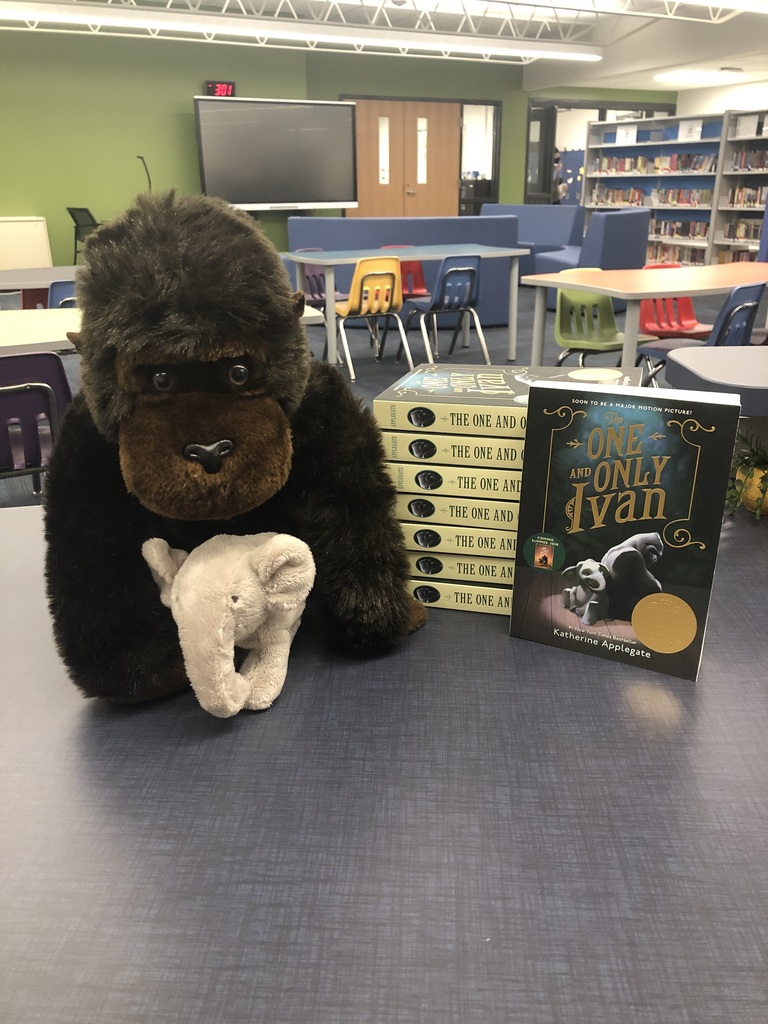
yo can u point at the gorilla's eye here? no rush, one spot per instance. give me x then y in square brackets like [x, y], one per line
[238, 374]
[162, 380]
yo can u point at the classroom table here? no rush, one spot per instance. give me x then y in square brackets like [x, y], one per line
[330, 259]
[635, 285]
[44, 330]
[471, 829]
[34, 277]
[742, 369]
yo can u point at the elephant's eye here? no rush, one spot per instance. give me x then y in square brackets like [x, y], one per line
[162, 380]
[238, 374]
[234, 599]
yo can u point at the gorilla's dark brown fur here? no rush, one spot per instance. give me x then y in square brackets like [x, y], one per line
[201, 412]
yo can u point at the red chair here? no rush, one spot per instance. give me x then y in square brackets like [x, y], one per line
[414, 285]
[672, 317]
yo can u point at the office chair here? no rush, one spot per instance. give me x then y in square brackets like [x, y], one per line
[375, 291]
[585, 322]
[671, 317]
[456, 291]
[85, 222]
[34, 393]
[733, 326]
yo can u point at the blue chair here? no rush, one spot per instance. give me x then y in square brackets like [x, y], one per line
[61, 294]
[614, 240]
[34, 393]
[733, 326]
[455, 291]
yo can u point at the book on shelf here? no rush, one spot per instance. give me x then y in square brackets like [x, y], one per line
[465, 540]
[476, 400]
[619, 521]
[464, 597]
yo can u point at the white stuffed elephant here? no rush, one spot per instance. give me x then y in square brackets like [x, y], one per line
[233, 591]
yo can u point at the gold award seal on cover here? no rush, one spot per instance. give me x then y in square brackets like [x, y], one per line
[664, 623]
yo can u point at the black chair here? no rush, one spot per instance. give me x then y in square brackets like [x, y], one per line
[34, 393]
[85, 222]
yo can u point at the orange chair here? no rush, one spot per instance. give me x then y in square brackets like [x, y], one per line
[375, 293]
[671, 317]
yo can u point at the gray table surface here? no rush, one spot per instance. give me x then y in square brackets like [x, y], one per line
[742, 369]
[471, 830]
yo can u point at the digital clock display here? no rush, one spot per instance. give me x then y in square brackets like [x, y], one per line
[217, 88]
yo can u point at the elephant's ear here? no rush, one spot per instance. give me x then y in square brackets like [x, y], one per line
[164, 562]
[286, 569]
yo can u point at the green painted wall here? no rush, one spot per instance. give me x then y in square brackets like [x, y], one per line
[76, 111]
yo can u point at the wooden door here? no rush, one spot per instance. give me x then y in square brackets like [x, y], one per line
[408, 157]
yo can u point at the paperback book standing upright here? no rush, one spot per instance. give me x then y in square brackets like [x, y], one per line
[619, 524]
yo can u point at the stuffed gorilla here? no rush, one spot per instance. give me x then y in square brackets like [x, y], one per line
[201, 412]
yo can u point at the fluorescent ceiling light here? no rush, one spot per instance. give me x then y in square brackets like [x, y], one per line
[753, 6]
[264, 29]
[691, 77]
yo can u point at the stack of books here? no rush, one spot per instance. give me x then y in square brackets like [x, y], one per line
[453, 438]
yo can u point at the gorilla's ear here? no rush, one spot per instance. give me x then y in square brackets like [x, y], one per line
[298, 299]
[164, 562]
[74, 338]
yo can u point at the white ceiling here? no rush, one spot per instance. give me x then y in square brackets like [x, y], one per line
[637, 38]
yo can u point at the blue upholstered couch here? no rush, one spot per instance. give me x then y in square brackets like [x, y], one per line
[373, 232]
[614, 240]
[540, 228]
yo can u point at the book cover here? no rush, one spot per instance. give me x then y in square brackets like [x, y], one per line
[488, 401]
[456, 511]
[620, 514]
[438, 564]
[453, 449]
[459, 539]
[468, 481]
[463, 597]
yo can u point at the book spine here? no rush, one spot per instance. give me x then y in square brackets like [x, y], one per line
[470, 481]
[463, 597]
[404, 446]
[459, 540]
[456, 511]
[447, 565]
[425, 416]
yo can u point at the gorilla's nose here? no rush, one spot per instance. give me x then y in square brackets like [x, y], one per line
[209, 455]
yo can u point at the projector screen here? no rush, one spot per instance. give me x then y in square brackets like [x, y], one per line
[261, 154]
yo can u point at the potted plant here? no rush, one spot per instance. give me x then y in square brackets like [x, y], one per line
[748, 484]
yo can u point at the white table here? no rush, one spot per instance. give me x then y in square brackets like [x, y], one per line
[45, 330]
[635, 285]
[330, 259]
[736, 368]
[34, 277]
[37, 330]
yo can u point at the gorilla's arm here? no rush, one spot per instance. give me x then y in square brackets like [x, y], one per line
[115, 637]
[343, 501]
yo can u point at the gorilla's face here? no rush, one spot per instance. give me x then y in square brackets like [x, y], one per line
[205, 439]
[193, 354]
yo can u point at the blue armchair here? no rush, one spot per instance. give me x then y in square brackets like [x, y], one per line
[614, 240]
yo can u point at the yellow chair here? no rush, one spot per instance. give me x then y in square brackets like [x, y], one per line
[585, 322]
[376, 291]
